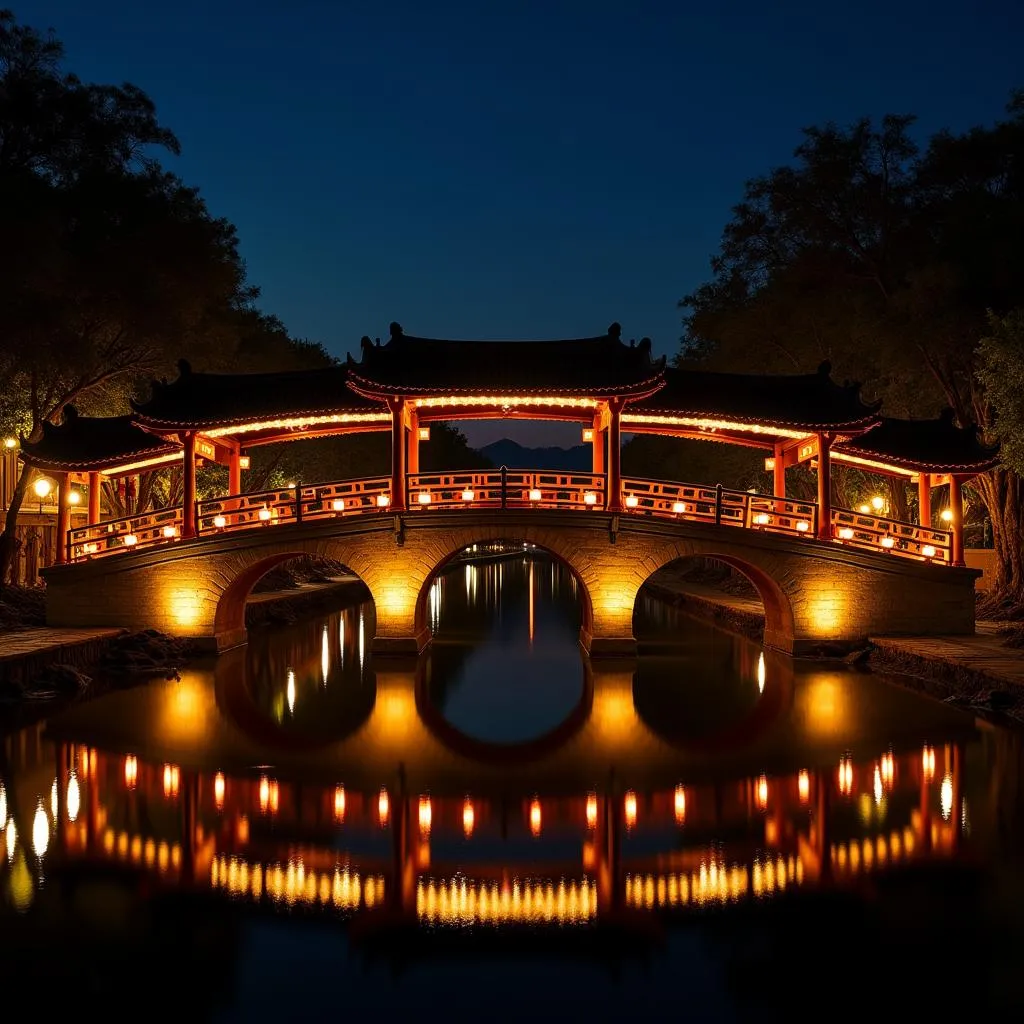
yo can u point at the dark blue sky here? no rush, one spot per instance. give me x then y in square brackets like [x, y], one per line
[523, 169]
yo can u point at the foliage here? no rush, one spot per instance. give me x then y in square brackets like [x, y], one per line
[1001, 355]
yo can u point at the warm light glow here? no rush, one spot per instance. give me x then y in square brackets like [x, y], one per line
[876, 785]
[946, 515]
[762, 519]
[463, 902]
[712, 425]
[128, 467]
[630, 809]
[928, 551]
[838, 455]
[589, 498]
[426, 815]
[423, 433]
[846, 776]
[591, 810]
[172, 780]
[888, 542]
[339, 804]
[383, 500]
[803, 526]
[299, 423]
[131, 770]
[535, 816]
[803, 786]
[845, 533]
[864, 509]
[42, 487]
[383, 807]
[74, 798]
[270, 795]
[291, 486]
[928, 763]
[534, 494]
[878, 503]
[130, 540]
[74, 497]
[769, 464]
[467, 495]
[12, 838]
[338, 505]
[219, 787]
[170, 531]
[504, 401]
[289, 691]
[631, 501]
[888, 769]
[680, 804]
[762, 792]
[761, 675]
[946, 796]
[220, 522]
[588, 434]
[40, 831]
[244, 462]
[423, 497]
[53, 798]
[264, 514]
[678, 507]
[468, 818]
[10, 442]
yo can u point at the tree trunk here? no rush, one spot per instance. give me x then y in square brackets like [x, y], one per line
[1002, 493]
[7, 538]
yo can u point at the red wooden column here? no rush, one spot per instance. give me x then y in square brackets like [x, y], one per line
[779, 473]
[824, 487]
[95, 487]
[614, 497]
[188, 497]
[235, 472]
[597, 465]
[63, 518]
[412, 456]
[924, 500]
[397, 407]
[956, 506]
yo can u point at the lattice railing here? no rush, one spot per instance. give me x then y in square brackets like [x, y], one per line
[513, 488]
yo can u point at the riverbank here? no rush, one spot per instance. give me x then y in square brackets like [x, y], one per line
[982, 673]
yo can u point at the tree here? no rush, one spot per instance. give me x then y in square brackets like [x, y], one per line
[883, 259]
[109, 263]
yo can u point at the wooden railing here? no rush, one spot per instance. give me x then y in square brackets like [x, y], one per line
[512, 489]
[506, 488]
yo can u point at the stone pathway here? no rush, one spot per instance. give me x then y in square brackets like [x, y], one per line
[47, 639]
[302, 588]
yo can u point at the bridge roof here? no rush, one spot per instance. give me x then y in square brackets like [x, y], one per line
[602, 366]
[810, 401]
[927, 446]
[95, 443]
[210, 400]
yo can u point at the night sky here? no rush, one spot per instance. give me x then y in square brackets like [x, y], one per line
[514, 169]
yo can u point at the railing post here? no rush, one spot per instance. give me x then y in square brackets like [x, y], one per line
[504, 486]
[298, 501]
[718, 504]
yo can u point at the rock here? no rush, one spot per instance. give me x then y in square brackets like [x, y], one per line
[57, 681]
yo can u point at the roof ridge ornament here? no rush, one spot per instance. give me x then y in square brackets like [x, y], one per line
[615, 331]
[395, 330]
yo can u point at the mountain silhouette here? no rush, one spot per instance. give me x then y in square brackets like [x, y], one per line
[513, 455]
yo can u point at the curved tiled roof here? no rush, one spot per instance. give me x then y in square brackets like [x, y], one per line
[207, 400]
[930, 446]
[810, 401]
[601, 366]
[83, 443]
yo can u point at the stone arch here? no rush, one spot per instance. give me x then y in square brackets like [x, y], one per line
[510, 535]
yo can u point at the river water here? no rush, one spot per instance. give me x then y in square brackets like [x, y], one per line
[504, 828]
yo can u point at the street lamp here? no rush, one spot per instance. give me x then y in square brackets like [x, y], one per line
[42, 487]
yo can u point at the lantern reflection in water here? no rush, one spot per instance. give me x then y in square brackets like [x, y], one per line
[463, 901]
[946, 796]
[468, 818]
[591, 810]
[846, 776]
[680, 804]
[426, 815]
[760, 673]
[928, 763]
[74, 798]
[270, 795]
[172, 780]
[219, 787]
[40, 831]
[339, 804]
[535, 816]
[53, 798]
[761, 793]
[131, 770]
[630, 809]
[803, 785]
[383, 807]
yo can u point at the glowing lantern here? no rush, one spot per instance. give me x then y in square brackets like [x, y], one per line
[761, 674]
[74, 798]
[383, 500]
[589, 498]
[172, 780]
[888, 542]
[423, 433]
[244, 462]
[219, 787]
[467, 495]
[468, 818]
[761, 519]
[591, 810]
[803, 526]
[632, 501]
[130, 540]
[339, 804]
[220, 522]
[423, 497]
[680, 804]
[803, 786]
[269, 795]
[947, 515]
[169, 532]
[878, 503]
[338, 505]
[928, 763]
[426, 815]
[264, 514]
[291, 486]
[534, 494]
[863, 509]
[845, 776]
[846, 533]
[74, 497]
[761, 793]
[945, 796]
[383, 807]
[678, 507]
[630, 809]
[10, 442]
[535, 816]
[42, 487]
[131, 770]
[769, 464]
[928, 551]
[53, 798]
[877, 785]
[888, 768]
[588, 434]
[40, 831]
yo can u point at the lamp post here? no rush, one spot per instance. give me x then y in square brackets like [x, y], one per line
[42, 487]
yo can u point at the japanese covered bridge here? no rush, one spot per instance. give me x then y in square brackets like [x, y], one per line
[825, 574]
